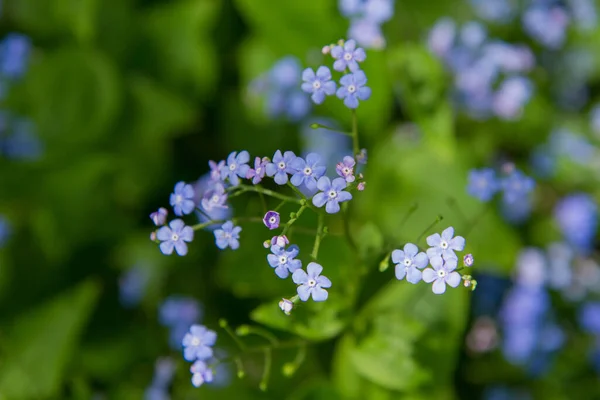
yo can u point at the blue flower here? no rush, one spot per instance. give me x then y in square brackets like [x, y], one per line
[271, 220]
[228, 236]
[281, 166]
[441, 37]
[445, 245]
[198, 342]
[283, 260]
[379, 11]
[308, 171]
[517, 187]
[182, 199]
[178, 310]
[442, 274]
[595, 119]
[483, 184]
[531, 270]
[174, 236]
[589, 317]
[237, 166]
[367, 33]
[311, 283]
[345, 169]
[353, 89]
[200, 373]
[258, 172]
[512, 95]
[215, 169]
[5, 230]
[501, 11]
[132, 285]
[332, 193]
[409, 262]
[547, 24]
[347, 56]
[14, 55]
[164, 369]
[577, 217]
[319, 84]
[215, 197]
[159, 217]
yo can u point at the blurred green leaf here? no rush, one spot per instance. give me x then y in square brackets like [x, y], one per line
[40, 342]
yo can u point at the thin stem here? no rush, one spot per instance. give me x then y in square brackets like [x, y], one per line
[256, 349]
[263, 201]
[208, 223]
[454, 205]
[295, 189]
[434, 223]
[317, 126]
[295, 218]
[266, 192]
[347, 233]
[410, 212]
[471, 224]
[223, 324]
[279, 205]
[355, 146]
[267, 370]
[319, 236]
[300, 356]
[240, 367]
[255, 330]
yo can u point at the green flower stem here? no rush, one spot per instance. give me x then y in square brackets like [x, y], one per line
[258, 349]
[355, 146]
[434, 223]
[451, 201]
[244, 330]
[472, 223]
[222, 221]
[347, 234]
[295, 217]
[319, 236]
[267, 370]
[290, 368]
[240, 367]
[267, 192]
[317, 126]
[223, 324]
[410, 212]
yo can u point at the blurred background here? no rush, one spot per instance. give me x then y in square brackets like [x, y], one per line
[105, 105]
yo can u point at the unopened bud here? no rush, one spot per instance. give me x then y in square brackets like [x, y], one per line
[153, 236]
[473, 284]
[242, 330]
[288, 369]
[159, 217]
[326, 50]
[267, 243]
[468, 260]
[241, 374]
[280, 241]
[286, 306]
[361, 186]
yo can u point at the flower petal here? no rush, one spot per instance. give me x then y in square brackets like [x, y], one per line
[420, 261]
[400, 271]
[319, 199]
[164, 233]
[303, 291]
[299, 277]
[411, 250]
[413, 275]
[308, 75]
[397, 256]
[439, 286]
[181, 247]
[282, 272]
[351, 101]
[429, 275]
[319, 294]
[448, 233]
[314, 270]
[453, 279]
[167, 247]
[324, 73]
[458, 243]
[323, 281]
[332, 207]
[324, 184]
[434, 240]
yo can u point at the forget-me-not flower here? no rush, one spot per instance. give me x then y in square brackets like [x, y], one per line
[175, 237]
[14, 55]
[319, 84]
[132, 285]
[332, 193]
[483, 184]
[271, 219]
[182, 199]
[308, 171]
[348, 56]
[215, 169]
[589, 317]
[281, 166]
[258, 172]
[311, 283]
[284, 260]
[442, 274]
[345, 169]
[159, 217]
[516, 187]
[577, 217]
[201, 373]
[409, 263]
[236, 167]
[215, 197]
[353, 89]
[198, 342]
[445, 245]
[228, 236]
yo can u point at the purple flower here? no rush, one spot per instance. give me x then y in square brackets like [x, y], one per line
[258, 172]
[511, 97]
[311, 284]
[468, 260]
[483, 184]
[283, 260]
[281, 166]
[345, 169]
[441, 37]
[319, 84]
[379, 11]
[589, 317]
[280, 241]
[271, 220]
[286, 306]
[353, 89]
[348, 56]
[132, 285]
[159, 217]
[215, 169]
[215, 197]
[174, 236]
[409, 262]
[332, 193]
[228, 236]
[442, 274]
[200, 373]
[237, 166]
[367, 33]
[546, 24]
[501, 11]
[14, 55]
[445, 245]
[182, 199]
[177, 310]
[516, 186]
[577, 217]
[308, 171]
[198, 342]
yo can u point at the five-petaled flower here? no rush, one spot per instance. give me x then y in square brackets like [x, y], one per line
[198, 342]
[442, 274]
[409, 263]
[281, 166]
[319, 84]
[182, 199]
[237, 167]
[483, 184]
[258, 172]
[271, 219]
[445, 245]
[215, 169]
[174, 236]
[348, 56]
[345, 169]
[228, 236]
[283, 260]
[353, 89]
[215, 197]
[311, 283]
[332, 193]
[308, 171]
[201, 373]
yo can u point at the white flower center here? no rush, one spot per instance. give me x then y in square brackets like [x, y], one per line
[407, 262]
[332, 194]
[178, 199]
[348, 56]
[215, 199]
[232, 167]
[195, 341]
[281, 165]
[258, 170]
[317, 84]
[351, 88]
[174, 237]
[346, 171]
[444, 244]
[441, 273]
[312, 282]
[272, 220]
[282, 260]
[307, 171]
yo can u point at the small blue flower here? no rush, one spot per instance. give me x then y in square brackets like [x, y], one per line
[271, 220]
[512, 95]
[215, 197]
[237, 167]
[445, 245]
[308, 171]
[5, 230]
[589, 317]
[517, 187]
[367, 33]
[319, 84]
[228, 236]
[409, 262]
[547, 24]
[441, 37]
[577, 217]
[198, 342]
[164, 370]
[178, 310]
[174, 236]
[200, 373]
[182, 199]
[132, 285]
[283, 260]
[483, 184]
[14, 55]
[353, 89]
[348, 56]
[281, 166]
[345, 169]
[215, 169]
[258, 172]
[442, 274]
[311, 283]
[159, 217]
[332, 193]
[501, 11]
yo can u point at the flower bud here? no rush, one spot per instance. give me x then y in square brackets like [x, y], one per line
[280, 241]
[271, 220]
[159, 217]
[468, 260]
[361, 157]
[153, 236]
[326, 50]
[361, 186]
[286, 306]
[288, 369]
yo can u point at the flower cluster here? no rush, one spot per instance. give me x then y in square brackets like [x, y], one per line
[179, 313]
[442, 258]
[352, 87]
[366, 18]
[562, 144]
[488, 74]
[198, 348]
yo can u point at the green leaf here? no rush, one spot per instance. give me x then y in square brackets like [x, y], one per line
[40, 344]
